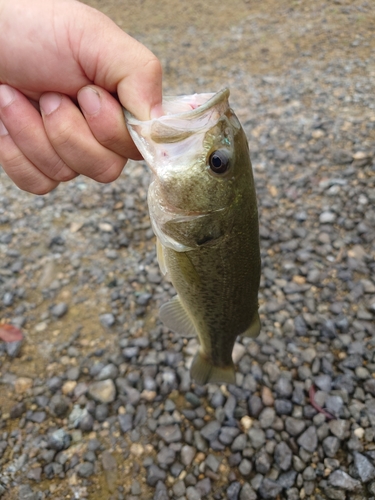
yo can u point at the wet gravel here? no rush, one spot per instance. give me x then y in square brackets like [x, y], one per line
[97, 401]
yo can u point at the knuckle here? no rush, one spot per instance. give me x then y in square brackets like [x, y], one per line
[154, 66]
[110, 171]
[61, 172]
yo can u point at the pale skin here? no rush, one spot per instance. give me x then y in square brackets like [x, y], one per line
[61, 62]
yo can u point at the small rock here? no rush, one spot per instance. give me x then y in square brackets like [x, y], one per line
[233, 491]
[107, 320]
[169, 433]
[59, 440]
[85, 469]
[339, 428]
[59, 310]
[267, 417]
[187, 455]
[364, 467]
[283, 456]
[22, 384]
[331, 446]
[155, 474]
[247, 493]
[257, 437]
[26, 493]
[59, 405]
[309, 440]
[294, 426]
[267, 397]
[327, 217]
[341, 479]
[13, 348]
[125, 422]
[211, 430]
[269, 489]
[103, 391]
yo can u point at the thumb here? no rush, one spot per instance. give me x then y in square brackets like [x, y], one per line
[117, 62]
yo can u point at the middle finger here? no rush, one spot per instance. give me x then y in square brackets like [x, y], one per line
[74, 142]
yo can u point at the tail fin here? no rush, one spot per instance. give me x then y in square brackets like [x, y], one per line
[202, 371]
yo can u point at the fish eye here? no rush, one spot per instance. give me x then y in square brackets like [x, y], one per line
[219, 161]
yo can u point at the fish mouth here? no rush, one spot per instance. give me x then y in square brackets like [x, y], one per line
[186, 107]
[179, 133]
[193, 106]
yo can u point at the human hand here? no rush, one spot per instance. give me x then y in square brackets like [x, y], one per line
[54, 55]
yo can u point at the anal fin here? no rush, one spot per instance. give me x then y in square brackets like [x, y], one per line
[254, 328]
[176, 318]
[203, 371]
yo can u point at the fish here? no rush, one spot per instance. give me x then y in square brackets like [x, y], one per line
[203, 210]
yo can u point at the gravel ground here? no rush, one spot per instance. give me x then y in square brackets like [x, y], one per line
[96, 402]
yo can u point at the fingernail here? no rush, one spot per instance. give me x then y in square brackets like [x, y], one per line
[50, 102]
[89, 100]
[7, 95]
[3, 129]
[156, 111]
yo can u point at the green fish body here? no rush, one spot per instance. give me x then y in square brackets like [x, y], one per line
[203, 209]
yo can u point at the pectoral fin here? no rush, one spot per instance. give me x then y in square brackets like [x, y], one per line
[254, 328]
[203, 371]
[176, 318]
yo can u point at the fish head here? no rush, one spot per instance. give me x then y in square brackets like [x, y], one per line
[195, 152]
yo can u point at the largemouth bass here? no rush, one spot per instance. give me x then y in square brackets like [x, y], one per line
[203, 211]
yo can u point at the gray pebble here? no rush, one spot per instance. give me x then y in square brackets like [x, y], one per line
[341, 479]
[204, 486]
[59, 440]
[331, 446]
[287, 479]
[239, 443]
[283, 456]
[212, 462]
[107, 320]
[192, 493]
[269, 489]
[233, 491]
[179, 489]
[267, 417]
[169, 433]
[245, 467]
[155, 474]
[366, 470]
[339, 428]
[263, 462]
[294, 426]
[257, 437]
[103, 391]
[255, 406]
[26, 493]
[309, 439]
[14, 348]
[247, 493]
[125, 422]
[59, 310]
[85, 469]
[211, 430]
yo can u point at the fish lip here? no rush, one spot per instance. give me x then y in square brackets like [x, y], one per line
[220, 96]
